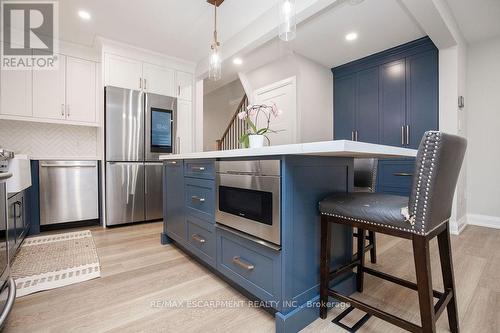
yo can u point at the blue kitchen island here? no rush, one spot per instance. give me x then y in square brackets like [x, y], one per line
[279, 268]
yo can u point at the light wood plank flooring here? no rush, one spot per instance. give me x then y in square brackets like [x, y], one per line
[142, 281]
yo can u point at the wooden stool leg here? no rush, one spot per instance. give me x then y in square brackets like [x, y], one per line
[448, 278]
[373, 250]
[361, 258]
[422, 258]
[324, 266]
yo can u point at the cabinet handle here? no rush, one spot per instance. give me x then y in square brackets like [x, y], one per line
[62, 110]
[403, 174]
[238, 261]
[140, 83]
[198, 168]
[356, 138]
[67, 110]
[171, 163]
[196, 198]
[20, 211]
[407, 135]
[179, 90]
[198, 238]
[402, 135]
[352, 135]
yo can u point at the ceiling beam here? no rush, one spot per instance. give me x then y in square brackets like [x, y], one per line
[212, 2]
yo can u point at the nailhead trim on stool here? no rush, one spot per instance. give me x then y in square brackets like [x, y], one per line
[419, 193]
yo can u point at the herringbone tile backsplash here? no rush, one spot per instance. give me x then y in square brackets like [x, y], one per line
[48, 140]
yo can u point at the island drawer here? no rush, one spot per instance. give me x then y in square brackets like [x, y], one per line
[254, 267]
[201, 239]
[199, 169]
[395, 176]
[200, 198]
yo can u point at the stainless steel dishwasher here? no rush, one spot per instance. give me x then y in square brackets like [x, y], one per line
[68, 191]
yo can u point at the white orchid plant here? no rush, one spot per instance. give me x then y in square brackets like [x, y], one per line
[251, 117]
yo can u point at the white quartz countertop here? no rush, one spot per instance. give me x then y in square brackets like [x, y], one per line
[340, 148]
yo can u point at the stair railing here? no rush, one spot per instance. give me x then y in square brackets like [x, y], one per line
[235, 129]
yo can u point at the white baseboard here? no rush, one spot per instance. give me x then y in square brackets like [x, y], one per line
[457, 226]
[484, 221]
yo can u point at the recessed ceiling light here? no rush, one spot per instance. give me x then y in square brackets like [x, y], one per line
[237, 61]
[84, 15]
[351, 36]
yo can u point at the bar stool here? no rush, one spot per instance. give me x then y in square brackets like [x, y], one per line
[419, 218]
[365, 180]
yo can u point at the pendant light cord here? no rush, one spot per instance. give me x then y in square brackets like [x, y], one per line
[216, 42]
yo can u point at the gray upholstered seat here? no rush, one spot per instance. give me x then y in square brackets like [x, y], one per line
[372, 208]
[438, 164]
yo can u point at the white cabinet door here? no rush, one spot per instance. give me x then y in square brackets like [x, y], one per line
[184, 86]
[158, 80]
[15, 93]
[184, 126]
[122, 72]
[49, 92]
[80, 90]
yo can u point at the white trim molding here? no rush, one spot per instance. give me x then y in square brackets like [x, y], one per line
[457, 226]
[484, 221]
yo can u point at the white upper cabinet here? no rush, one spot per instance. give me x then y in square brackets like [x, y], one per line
[123, 72]
[184, 126]
[184, 86]
[15, 93]
[158, 80]
[80, 90]
[134, 74]
[49, 92]
[63, 95]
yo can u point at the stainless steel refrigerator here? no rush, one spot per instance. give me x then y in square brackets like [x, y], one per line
[139, 127]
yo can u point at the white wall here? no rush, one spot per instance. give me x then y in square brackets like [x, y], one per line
[483, 132]
[314, 92]
[218, 108]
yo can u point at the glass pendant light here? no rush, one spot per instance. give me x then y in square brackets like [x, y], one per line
[215, 59]
[288, 20]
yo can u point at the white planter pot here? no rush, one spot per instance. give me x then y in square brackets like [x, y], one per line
[256, 141]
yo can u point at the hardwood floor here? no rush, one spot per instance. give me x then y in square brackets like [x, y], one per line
[147, 287]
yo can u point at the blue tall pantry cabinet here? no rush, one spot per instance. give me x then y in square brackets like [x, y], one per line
[389, 98]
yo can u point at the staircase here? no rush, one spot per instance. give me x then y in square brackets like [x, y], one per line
[235, 129]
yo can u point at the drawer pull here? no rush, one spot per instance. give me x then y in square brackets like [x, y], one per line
[195, 198]
[243, 264]
[172, 163]
[403, 174]
[198, 168]
[198, 238]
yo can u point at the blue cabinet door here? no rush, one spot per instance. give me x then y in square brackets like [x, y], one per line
[344, 107]
[392, 103]
[367, 108]
[173, 201]
[422, 95]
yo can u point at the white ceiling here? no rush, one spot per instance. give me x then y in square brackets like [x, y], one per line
[477, 19]
[179, 28]
[380, 24]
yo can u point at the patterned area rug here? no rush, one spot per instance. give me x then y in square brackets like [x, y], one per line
[48, 262]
